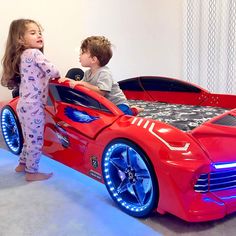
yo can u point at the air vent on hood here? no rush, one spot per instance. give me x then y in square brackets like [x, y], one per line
[227, 120]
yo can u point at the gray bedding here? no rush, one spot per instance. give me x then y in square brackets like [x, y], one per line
[184, 117]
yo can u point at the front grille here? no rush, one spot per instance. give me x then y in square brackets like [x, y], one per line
[216, 181]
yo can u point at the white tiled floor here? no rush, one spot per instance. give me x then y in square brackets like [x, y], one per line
[72, 204]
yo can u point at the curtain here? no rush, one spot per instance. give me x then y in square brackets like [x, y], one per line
[209, 44]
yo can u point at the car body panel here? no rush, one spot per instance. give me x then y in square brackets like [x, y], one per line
[163, 89]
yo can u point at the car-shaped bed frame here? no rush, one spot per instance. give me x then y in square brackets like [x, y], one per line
[178, 156]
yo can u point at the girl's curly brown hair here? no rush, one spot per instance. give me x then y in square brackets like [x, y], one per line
[11, 59]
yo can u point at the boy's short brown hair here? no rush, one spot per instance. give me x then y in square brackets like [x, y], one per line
[98, 46]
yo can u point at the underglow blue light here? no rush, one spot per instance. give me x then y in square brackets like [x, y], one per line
[225, 165]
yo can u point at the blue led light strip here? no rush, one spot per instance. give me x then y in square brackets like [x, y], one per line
[225, 165]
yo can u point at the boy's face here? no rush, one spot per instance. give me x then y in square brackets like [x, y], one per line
[86, 60]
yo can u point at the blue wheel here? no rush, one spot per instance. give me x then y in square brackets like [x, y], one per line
[11, 130]
[129, 178]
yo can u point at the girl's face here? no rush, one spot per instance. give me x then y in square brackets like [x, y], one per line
[33, 37]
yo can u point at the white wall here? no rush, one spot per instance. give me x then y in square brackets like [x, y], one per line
[147, 35]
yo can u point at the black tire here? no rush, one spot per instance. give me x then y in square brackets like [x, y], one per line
[11, 130]
[130, 178]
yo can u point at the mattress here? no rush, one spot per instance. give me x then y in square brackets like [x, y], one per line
[183, 117]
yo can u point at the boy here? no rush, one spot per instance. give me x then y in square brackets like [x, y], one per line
[95, 54]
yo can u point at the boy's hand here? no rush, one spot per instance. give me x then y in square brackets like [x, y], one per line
[73, 83]
[61, 80]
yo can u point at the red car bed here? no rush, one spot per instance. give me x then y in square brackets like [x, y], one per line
[178, 156]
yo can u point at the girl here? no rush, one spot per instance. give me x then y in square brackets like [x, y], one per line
[24, 65]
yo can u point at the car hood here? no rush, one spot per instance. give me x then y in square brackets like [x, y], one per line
[218, 138]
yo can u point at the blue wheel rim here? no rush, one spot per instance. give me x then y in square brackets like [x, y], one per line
[10, 130]
[128, 178]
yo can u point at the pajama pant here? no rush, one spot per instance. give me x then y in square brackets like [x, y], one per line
[32, 120]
